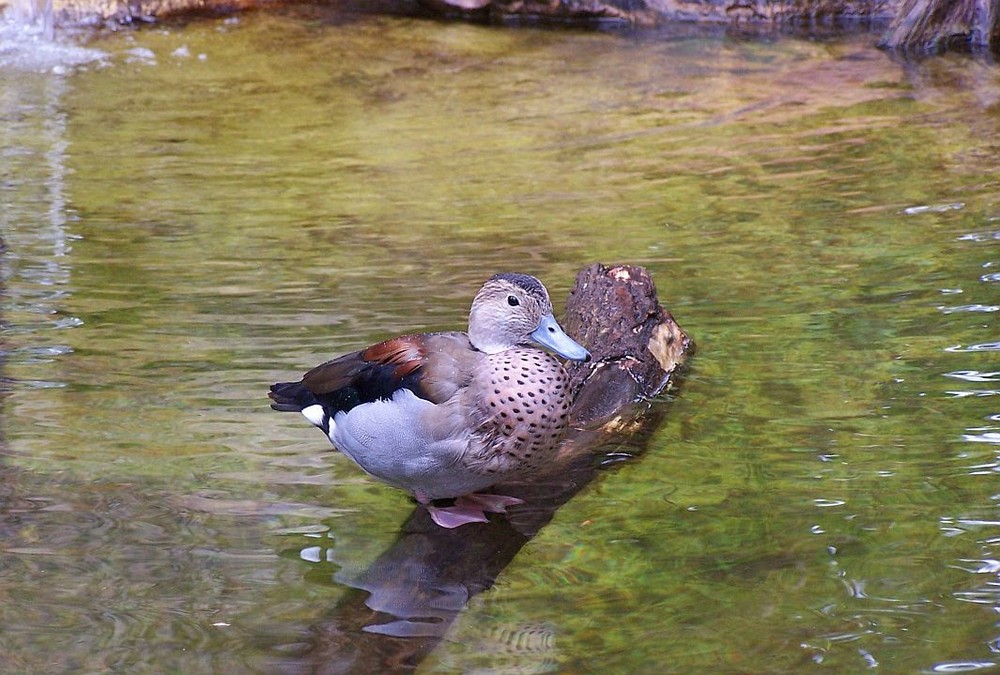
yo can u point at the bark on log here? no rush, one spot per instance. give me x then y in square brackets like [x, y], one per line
[405, 602]
[636, 344]
[935, 25]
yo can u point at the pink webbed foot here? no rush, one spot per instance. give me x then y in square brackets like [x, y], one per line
[456, 516]
[470, 508]
[491, 503]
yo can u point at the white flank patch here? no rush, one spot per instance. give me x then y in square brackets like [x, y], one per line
[314, 414]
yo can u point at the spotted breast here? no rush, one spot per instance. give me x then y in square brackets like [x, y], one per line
[523, 404]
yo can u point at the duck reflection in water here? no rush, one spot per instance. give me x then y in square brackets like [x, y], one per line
[407, 599]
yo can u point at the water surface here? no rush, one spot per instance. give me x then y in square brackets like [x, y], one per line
[215, 207]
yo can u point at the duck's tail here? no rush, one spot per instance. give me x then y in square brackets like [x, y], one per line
[295, 397]
[291, 397]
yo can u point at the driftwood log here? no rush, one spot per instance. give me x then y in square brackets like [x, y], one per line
[402, 604]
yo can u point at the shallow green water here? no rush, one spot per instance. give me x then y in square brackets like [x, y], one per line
[186, 225]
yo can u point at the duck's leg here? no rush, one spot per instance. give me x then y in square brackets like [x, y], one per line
[467, 509]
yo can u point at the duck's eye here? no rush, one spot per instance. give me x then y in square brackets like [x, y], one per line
[513, 301]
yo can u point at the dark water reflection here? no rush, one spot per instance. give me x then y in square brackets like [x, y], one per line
[182, 231]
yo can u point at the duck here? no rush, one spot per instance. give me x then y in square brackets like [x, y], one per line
[445, 416]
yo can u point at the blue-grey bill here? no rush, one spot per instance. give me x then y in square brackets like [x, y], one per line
[551, 336]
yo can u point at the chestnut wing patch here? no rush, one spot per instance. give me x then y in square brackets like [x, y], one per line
[369, 375]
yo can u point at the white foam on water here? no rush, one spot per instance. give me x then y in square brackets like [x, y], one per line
[30, 42]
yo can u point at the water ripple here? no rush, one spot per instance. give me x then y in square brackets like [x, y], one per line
[980, 236]
[988, 437]
[826, 503]
[981, 347]
[962, 666]
[979, 597]
[975, 375]
[986, 566]
[933, 208]
[950, 526]
[254, 508]
[968, 308]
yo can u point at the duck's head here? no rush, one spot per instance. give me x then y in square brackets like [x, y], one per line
[512, 310]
